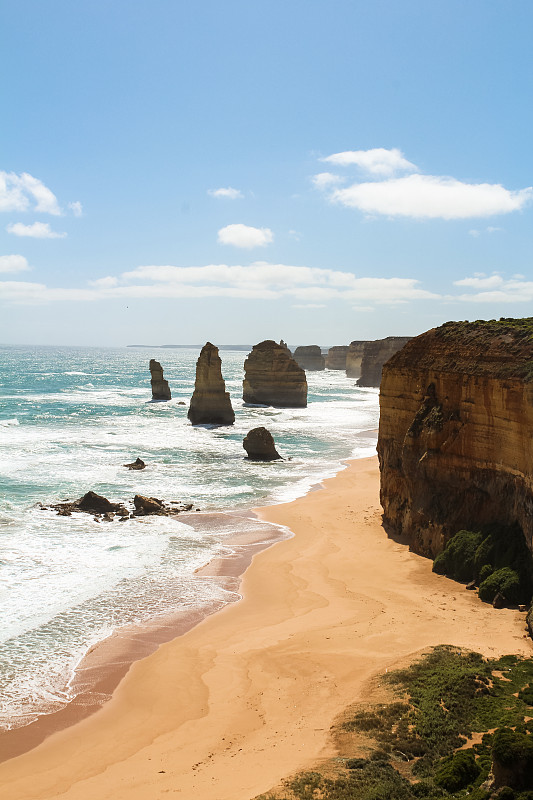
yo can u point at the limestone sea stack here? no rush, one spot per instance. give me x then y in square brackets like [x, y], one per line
[210, 403]
[160, 387]
[456, 432]
[376, 354]
[336, 357]
[260, 446]
[354, 357]
[309, 357]
[272, 377]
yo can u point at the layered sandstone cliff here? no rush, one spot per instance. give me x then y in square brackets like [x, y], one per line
[272, 377]
[160, 387]
[210, 403]
[456, 432]
[376, 354]
[336, 357]
[310, 357]
[354, 357]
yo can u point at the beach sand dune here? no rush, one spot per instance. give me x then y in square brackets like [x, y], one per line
[248, 696]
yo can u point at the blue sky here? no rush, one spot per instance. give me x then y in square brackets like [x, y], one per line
[374, 158]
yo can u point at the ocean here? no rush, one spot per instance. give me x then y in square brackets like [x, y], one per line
[70, 418]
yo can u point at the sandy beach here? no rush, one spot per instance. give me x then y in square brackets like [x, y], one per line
[248, 696]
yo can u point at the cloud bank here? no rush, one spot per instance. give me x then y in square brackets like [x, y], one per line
[13, 263]
[24, 192]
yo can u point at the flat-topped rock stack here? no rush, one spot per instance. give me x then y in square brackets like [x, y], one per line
[354, 357]
[309, 357]
[375, 355]
[272, 377]
[210, 403]
[160, 387]
[336, 357]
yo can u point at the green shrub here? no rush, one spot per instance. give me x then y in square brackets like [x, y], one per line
[457, 559]
[505, 581]
[513, 750]
[457, 771]
[485, 571]
[506, 793]
[526, 694]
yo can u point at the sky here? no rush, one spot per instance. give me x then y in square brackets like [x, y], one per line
[317, 171]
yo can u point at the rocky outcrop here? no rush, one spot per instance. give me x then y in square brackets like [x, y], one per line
[272, 377]
[210, 403]
[160, 387]
[90, 503]
[259, 445]
[336, 357]
[309, 357]
[375, 355]
[137, 464]
[354, 357]
[456, 432]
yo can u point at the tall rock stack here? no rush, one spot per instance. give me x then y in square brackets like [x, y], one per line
[309, 357]
[375, 355]
[160, 387]
[354, 357]
[336, 357]
[272, 377]
[210, 403]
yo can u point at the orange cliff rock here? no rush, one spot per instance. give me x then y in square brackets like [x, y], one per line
[210, 403]
[456, 432]
[375, 354]
[272, 377]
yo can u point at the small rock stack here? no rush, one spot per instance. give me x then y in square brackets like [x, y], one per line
[210, 403]
[160, 387]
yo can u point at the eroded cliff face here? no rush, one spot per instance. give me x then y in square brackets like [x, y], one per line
[336, 357]
[210, 403]
[456, 432]
[354, 357]
[272, 377]
[310, 357]
[375, 354]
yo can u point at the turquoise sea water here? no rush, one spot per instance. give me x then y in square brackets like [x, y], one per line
[70, 418]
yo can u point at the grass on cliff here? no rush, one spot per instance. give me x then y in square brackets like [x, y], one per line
[497, 559]
[419, 742]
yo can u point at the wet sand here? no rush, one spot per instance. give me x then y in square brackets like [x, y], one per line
[248, 695]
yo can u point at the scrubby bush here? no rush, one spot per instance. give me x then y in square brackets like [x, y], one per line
[457, 559]
[457, 771]
[485, 572]
[526, 694]
[511, 749]
[505, 581]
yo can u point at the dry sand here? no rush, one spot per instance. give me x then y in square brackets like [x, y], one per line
[248, 696]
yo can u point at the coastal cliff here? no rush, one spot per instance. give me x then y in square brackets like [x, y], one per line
[310, 357]
[376, 354]
[336, 357]
[456, 430]
[354, 357]
[210, 403]
[272, 377]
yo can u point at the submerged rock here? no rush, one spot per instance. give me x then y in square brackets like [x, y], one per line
[160, 387]
[137, 464]
[272, 377]
[210, 403]
[260, 446]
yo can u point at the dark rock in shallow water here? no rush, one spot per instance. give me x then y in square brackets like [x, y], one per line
[259, 445]
[90, 503]
[137, 464]
[147, 505]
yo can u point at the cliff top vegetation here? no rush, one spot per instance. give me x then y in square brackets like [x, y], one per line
[501, 348]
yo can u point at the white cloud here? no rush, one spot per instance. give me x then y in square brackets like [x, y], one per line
[245, 236]
[475, 233]
[432, 197]
[323, 180]
[378, 161]
[229, 193]
[307, 286]
[24, 192]
[76, 208]
[489, 229]
[39, 230]
[309, 305]
[496, 289]
[13, 263]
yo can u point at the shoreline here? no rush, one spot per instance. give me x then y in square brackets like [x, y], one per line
[249, 694]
